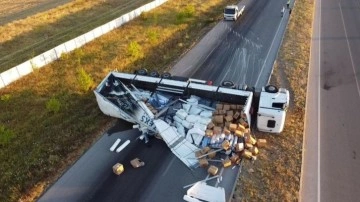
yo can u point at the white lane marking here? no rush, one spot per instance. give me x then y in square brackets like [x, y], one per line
[319, 110]
[348, 45]
[272, 43]
[168, 167]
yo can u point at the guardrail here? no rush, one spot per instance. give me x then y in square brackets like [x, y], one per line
[25, 68]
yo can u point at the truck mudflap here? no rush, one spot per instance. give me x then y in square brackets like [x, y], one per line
[179, 146]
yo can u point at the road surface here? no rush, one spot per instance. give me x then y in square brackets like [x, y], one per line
[243, 51]
[331, 161]
[163, 177]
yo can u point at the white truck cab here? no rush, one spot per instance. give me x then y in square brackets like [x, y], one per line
[232, 12]
[272, 109]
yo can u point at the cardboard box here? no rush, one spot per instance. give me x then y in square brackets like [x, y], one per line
[230, 113]
[219, 106]
[217, 130]
[226, 107]
[210, 125]
[247, 154]
[243, 122]
[198, 153]
[118, 168]
[203, 163]
[228, 118]
[227, 131]
[234, 158]
[218, 119]
[222, 112]
[239, 147]
[241, 127]
[239, 107]
[254, 151]
[239, 133]
[252, 140]
[211, 154]
[225, 144]
[213, 170]
[226, 163]
[205, 150]
[236, 115]
[248, 146]
[232, 106]
[209, 133]
[227, 124]
[261, 142]
[232, 127]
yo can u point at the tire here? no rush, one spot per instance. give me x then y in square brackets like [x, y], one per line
[228, 84]
[271, 89]
[154, 74]
[166, 75]
[142, 72]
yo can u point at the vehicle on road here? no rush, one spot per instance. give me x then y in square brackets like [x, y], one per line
[233, 12]
[195, 119]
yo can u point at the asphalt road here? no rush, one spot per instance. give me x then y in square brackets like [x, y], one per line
[163, 177]
[331, 162]
[243, 51]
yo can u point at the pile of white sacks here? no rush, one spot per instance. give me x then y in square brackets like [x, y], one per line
[194, 119]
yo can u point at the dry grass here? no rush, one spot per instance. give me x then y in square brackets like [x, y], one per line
[277, 172]
[26, 38]
[46, 138]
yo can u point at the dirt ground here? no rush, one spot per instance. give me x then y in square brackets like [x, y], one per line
[11, 10]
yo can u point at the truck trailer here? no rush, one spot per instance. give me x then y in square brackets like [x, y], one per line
[197, 120]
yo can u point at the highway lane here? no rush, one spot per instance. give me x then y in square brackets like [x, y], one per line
[243, 51]
[162, 179]
[331, 146]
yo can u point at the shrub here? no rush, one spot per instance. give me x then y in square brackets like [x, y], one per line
[5, 135]
[134, 49]
[5, 97]
[53, 105]
[153, 36]
[185, 13]
[84, 80]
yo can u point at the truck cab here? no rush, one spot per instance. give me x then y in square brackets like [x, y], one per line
[273, 104]
[233, 12]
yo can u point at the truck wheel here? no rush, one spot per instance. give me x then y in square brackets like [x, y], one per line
[142, 72]
[166, 75]
[271, 89]
[228, 84]
[154, 74]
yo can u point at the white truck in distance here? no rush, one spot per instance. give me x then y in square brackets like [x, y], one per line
[233, 12]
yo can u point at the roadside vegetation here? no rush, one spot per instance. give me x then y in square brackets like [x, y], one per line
[23, 39]
[50, 117]
[276, 174]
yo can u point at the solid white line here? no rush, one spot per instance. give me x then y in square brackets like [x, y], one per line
[319, 110]
[272, 43]
[348, 44]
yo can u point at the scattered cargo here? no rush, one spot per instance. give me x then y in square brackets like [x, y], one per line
[203, 125]
[118, 168]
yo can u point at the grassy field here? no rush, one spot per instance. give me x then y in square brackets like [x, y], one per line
[49, 118]
[23, 39]
[276, 175]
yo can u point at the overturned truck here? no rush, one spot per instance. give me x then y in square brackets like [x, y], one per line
[190, 114]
